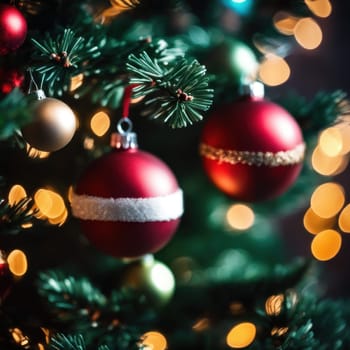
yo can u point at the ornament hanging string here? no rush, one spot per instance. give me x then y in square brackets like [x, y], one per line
[127, 100]
[33, 82]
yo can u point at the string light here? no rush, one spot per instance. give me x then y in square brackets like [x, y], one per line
[308, 33]
[273, 304]
[344, 219]
[328, 166]
[201, 325]
[16, 194]
[49, 203]
[331, 142]
[320, 8]
[240, 217]
[314, 224]
[154, 341]
[32, 152]
[17, 262]
[100, 123]
[273, 70]
[285, 22]
[327, 199]
[326, 245]
[241, 335]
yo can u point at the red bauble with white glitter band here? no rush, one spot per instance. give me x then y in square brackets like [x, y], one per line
[252, 149]
[128, 201]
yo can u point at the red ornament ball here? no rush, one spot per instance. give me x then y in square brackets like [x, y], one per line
[13, 29]
[252, 149]
[129, 203]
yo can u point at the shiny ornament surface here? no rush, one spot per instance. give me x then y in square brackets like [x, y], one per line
[53, 125]
[252, 149]
[13, 29]
[232, 59]
[151, 278]
[122, 187]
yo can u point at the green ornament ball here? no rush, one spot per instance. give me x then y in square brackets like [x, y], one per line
[232, 59]
[151, 278]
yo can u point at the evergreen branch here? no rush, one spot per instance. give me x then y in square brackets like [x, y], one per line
[323, 110]
[14, 113]
[13, 217]
[67, 342]
[63, 57]
[181, 91]
[69, 293]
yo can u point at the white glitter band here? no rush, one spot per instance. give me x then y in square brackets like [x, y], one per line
[270, 159]
[163, 208]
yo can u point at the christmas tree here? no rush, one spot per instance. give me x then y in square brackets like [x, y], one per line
[172, 175]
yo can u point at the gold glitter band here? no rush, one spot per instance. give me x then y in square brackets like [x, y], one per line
[270, 159]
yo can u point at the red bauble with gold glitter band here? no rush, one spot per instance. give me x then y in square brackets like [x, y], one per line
[252, 149]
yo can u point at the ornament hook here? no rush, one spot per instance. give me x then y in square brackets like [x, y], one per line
[124, 126]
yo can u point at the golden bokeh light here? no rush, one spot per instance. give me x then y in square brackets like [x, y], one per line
[328, 166]
[76, 81]
[279, 331]
[308, 33]
[327, 199]
[331, 141]
[100, 123]
[326, 245]
[17, 262]
[19, 337]
[201, 325]
[16, 194]
[240, 217]
[344, 219]
[320, 8]
[273, 70]
[241, 335]
[273, 304]
[89, 143]
[49, 203]
[32, 152]
[59, 220]
[314, 224]
[154, 341]
[285, 22]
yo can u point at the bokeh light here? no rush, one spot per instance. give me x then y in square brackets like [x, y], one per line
[59, 220]
[344, 219]
[17, 262]
[328, 166]
[154, 341]
[320, 8]
[163, 278]
[16, 194]
[274, 70]
[327, 199]
[273, 304]
[314, 224]
[331, 141]
[326, 245]
[285, 22]
[100, 123]
[241, 335]
[32, 152]
[49, 203]
[201, 325]
[76, 81]
[240, 217]
[308, 33]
